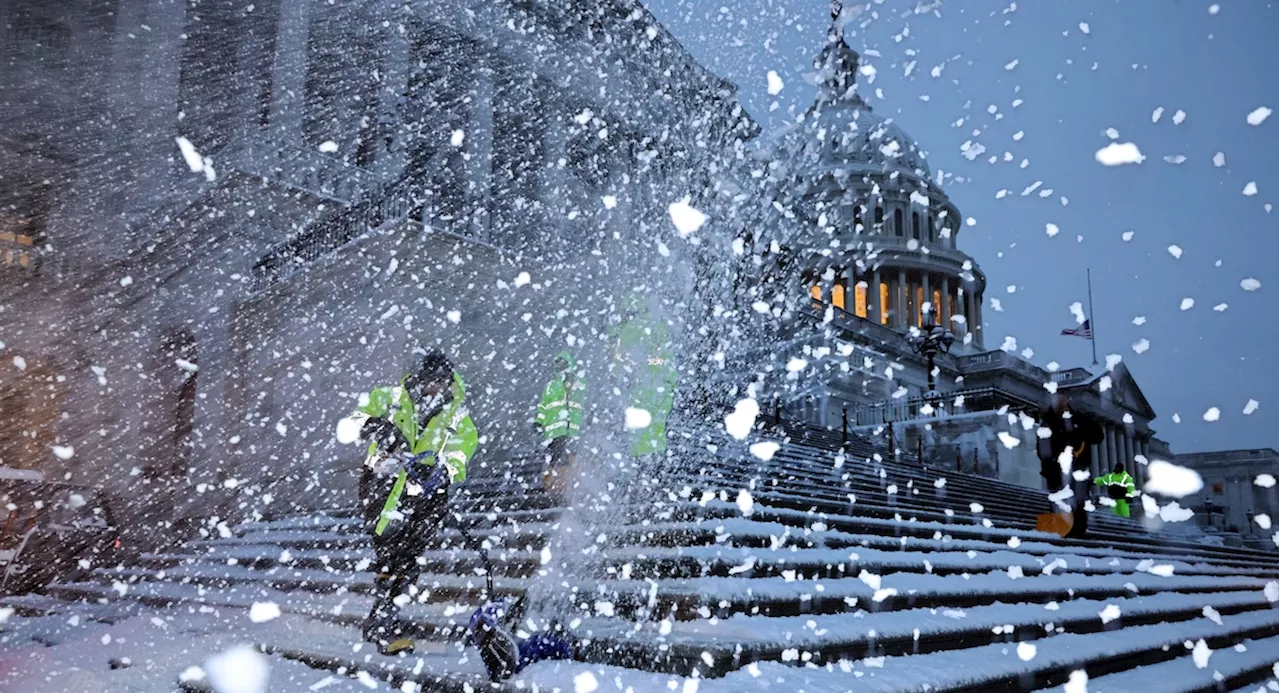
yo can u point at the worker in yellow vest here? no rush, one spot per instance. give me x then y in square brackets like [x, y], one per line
[1120, 488]
[559, 419]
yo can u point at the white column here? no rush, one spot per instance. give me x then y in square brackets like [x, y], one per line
[944, 310]
[970, 317]
[1129, 451]
[873, 298]
[900, 299]
[551, 177]
[928, 294]
[977, 325]
[395, 82]
[289, 71]
[479, 144]
[1108, 448]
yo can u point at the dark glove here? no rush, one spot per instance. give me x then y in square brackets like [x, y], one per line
[382, 432]
[437, 479]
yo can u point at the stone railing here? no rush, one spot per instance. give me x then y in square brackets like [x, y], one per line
[259, 154]
[327, 236]
[1000, 360]
[950, 403]
[1068, 377]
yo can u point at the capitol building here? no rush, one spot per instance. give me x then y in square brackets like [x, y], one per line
[209, 247]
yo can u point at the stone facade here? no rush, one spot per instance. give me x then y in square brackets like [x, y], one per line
[1232, 501]
[373, 179]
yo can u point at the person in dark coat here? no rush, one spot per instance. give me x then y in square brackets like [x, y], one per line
[1066, 456]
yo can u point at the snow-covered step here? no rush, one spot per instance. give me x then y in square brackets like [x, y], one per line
[1000, 666]
[435, 666]
[435, 619]
[1199, 671]
[1269, 686]
[287, 675]
[715, 647]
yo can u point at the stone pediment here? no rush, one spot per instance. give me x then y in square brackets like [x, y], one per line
[1125, 394]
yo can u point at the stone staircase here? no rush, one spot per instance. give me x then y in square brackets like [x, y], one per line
[814, 570]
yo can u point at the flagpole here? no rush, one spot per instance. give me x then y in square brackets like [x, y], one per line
[1093, 324]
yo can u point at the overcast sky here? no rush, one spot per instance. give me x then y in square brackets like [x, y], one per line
[1078, 68]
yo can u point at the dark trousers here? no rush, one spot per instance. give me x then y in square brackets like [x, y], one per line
[1057, 481]
[396, 567]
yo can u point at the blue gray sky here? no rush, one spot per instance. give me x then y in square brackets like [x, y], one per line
[1081, 68]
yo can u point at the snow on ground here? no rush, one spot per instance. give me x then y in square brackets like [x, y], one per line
[152, 649]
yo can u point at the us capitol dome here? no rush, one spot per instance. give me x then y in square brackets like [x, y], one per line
[885, 233]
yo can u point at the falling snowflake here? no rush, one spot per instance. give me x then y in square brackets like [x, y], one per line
[262, 612]
[774, 82]
[241, 669]
[1051, 229]
[1250, 189]
[1200, 654]
[1026, 651]
[1168, 479]
[764, 450]
[63, 452]
[585, 682]
[1109, 613]
[1141, 345]
[328, 146]
[1175, 251]
[1212, 414]
[1257, 115]
[1116, 154]
[1250, 284]
[687, 220]
[637, 419]
[739, 423]
[746, 504]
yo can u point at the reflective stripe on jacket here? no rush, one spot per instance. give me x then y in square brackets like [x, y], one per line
[450, 436]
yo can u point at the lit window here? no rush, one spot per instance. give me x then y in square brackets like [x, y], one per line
[816, 292]
[884, 303]
[1217, 488]
[919, 306]
[860, 300]
[937, 305]
[837, 296]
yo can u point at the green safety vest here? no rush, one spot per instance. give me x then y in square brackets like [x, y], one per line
[560, 410]
[1117, 479]
[449, 436]
[644, 344]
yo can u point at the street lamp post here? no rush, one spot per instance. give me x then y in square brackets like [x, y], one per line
[930, 339]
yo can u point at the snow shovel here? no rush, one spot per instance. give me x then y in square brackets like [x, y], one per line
[1055, 523]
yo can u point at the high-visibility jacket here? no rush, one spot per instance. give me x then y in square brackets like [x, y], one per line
[560, 410]
[1117, 479]
[643, 344]
[450, 437]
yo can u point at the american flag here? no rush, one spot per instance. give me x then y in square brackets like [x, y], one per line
[1084, 330]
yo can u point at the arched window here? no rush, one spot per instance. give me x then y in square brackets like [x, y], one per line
[857, 218]
[933, 232]
[816, 292]
[879, 217]
[919, 306]
[897, 222]
[937, 308]
[837, 296]
[915, 226]
[860, 299]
